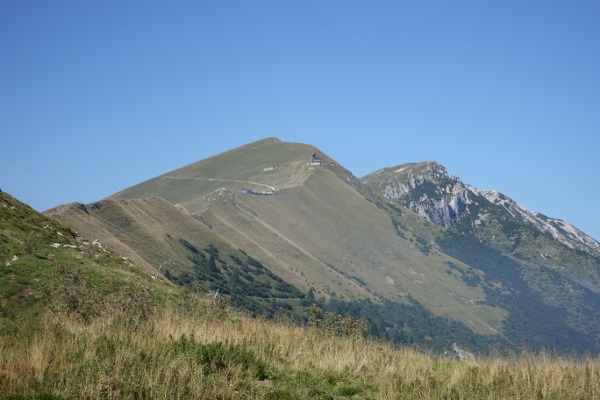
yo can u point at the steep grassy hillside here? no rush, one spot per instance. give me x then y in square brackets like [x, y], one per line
[79, 321]
[352, 244]
[170, 242]
[45, 267]
[318, 229]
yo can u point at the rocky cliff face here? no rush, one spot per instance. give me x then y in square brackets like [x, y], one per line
[557, 229]
[430, 191]
[427, 189]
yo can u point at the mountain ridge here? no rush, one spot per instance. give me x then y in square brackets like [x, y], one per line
[367, 244]
[446, 206]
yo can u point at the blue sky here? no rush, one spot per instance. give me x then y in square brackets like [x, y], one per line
[98, 96]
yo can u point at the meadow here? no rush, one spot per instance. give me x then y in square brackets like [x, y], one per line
[79, 322]
[199, 350]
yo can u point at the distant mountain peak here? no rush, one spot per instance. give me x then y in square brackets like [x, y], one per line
[419, 167]
[560, 230]
[425, 187]
[271, 139]
[434, 194]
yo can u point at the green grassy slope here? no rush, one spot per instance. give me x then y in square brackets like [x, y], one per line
[79, 321]
[239, 168]
[46, 266]
[357, 248]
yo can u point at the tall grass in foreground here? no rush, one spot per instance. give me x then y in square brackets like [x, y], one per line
[227, 356]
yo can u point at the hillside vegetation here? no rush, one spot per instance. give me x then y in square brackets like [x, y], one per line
[79, 321]
[209, 353]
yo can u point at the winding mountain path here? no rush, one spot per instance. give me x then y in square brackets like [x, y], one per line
[221, 180]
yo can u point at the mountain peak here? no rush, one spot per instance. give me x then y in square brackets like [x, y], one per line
[264, 167]
[267, 140]
[559, 230]
[430, 191]
[425, 187]
[418, 166]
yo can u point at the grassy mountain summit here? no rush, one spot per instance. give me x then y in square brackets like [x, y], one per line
[263, 167]
[422, 256]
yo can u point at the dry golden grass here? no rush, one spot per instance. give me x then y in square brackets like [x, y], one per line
[169, 356]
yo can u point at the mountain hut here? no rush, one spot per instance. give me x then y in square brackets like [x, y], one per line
[314, 159]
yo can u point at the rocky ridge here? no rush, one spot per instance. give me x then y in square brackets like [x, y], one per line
[558, 229]
[443, 199]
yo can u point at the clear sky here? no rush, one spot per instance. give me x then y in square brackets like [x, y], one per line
[96, 96]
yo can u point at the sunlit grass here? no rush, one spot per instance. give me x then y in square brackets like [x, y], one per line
[216, 353]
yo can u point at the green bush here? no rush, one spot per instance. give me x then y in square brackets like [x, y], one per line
[218, 357]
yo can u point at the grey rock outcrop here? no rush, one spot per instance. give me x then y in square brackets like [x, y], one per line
[430, 191]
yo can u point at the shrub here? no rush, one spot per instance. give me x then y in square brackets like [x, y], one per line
[216, 357]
